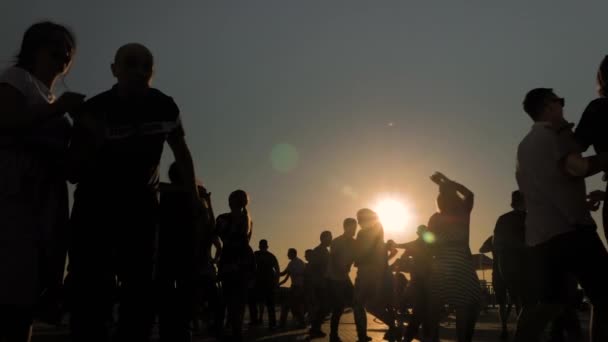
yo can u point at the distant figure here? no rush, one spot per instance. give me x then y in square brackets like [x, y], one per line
[559, 228]
[237, 263]
[320, 286]
[180, 239]
[373, 276]
[512, 255]
[591, 129]
[500, 290]
[295, 301]
[114, 160]
[310, 306]
[266, 281]
[420, 258]
[341, 258]
[453, 278]
[33, 190]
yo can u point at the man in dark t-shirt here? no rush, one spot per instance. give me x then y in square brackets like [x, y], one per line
[266, 281]
[114, 158]
[419, 258]
[317, 267]
[184, 251]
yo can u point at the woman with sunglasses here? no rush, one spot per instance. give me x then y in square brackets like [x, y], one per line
[34, 134]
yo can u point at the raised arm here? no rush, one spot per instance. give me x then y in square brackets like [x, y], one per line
[486, 247]
[287, 276]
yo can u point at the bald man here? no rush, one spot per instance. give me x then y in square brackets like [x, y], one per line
[114, 159]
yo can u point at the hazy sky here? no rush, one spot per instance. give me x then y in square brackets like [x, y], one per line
[373, 96]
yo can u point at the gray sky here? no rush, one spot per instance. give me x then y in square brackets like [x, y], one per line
[373, 96]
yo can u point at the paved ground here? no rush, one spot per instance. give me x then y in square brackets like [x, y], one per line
[487, 330]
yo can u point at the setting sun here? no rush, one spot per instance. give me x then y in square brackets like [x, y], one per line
[394, 214]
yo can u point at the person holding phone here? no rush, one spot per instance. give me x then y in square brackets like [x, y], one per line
[34, 135]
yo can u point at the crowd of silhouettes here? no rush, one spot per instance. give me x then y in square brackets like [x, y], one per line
[140, 250]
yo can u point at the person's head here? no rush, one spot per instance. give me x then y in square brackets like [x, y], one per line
[541, 104]
[367, 218]
[292, 253]
[350, 226]
[308, 255]
[517, 200]
[326, 238]
[449, 202]
[238, 200]
[602, 77]
[47, 48]
[263, 245]
[175, 175]
[133, 67]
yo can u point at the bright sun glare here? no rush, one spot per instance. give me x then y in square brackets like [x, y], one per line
[394, 215]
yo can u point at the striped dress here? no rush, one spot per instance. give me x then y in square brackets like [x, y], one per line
[453, 278]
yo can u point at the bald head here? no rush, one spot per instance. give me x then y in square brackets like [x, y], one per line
[132, 49]
[133, 66]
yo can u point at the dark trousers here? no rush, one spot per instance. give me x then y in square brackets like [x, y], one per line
[263, 295]
[294, 303]
[373, 290]
[235, 292]
[420, 315]
[576, 253]
[342, 292]
[322, 305]
[112, 241]
[15, 324]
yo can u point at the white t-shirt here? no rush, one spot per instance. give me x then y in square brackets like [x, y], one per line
[34, 90]
[52, 135]
[556, 202]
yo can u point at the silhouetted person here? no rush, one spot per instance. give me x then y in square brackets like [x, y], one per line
[33, 193]
[453, 278]
[180, 239]
[419, 258]
[371, 260]
[115, 154]
[341, 258]
[551, 175]
[295, 300]
[309, 299]
[591, 129]
[237, 263]
[266, 282]
[318, 268]
[500, 289]
[207, 291]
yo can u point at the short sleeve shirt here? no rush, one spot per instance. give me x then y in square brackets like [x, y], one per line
[555, 201]
[510, 231]
[371, 253]
[135, 131]
[267, 267]
[341, 257]
[591, 129]
[296, 269]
